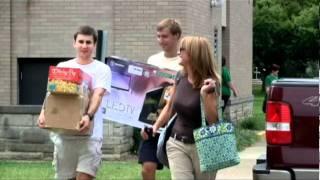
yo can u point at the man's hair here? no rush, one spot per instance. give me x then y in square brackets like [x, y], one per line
[172, 25]
[86, 30]
[275, 67]
[223, 61]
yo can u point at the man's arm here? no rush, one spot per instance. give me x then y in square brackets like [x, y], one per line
[226, 76]
[95, 100]
[233, 88]
[267, 84]
[267, 90]
[94, 103]
[101, 87]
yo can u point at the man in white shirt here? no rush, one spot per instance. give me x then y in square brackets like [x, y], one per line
[168, 35]
[79, 157]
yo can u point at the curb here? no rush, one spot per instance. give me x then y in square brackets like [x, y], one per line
[261, 134]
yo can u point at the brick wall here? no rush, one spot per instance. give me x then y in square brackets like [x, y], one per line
[135, 25]
[202, 19]
[5, 37]
[237, 48]
[44, 28]
[20, 138]
[239, 44]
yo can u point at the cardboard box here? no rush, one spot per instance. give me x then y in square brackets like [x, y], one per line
[64, 112]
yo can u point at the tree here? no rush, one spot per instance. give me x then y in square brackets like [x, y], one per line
[286, 32]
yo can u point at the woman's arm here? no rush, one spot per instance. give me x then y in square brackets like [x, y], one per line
[210, 107]
[209, 96]
[165, 113]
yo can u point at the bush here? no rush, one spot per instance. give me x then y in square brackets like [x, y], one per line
[245, 137]
[136, 141]
[246, 129]
[253, 123]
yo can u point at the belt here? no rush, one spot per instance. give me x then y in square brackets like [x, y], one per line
[184, 139]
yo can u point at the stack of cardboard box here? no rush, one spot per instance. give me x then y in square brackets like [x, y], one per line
[67, 100]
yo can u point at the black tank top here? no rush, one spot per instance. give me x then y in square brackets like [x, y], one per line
[187, 105]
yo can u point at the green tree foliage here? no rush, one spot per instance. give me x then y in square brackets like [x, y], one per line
[286, 32]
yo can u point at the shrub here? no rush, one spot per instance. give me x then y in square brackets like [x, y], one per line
[136, 141]
[245, 137]
[253, 123]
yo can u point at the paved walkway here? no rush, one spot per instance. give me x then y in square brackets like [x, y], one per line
[248, 157]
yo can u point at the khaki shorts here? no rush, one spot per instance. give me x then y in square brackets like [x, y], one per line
[76, 155]
[184, 162]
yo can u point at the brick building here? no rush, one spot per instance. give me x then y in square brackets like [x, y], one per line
[37, 33]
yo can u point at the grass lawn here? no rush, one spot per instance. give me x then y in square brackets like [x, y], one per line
[257, 104]
[25, 170]
[16, 170]
[246, 129]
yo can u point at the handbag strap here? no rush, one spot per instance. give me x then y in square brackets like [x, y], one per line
[203, 116]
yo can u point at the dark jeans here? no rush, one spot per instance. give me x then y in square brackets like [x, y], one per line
[225, 101]
[264, 104]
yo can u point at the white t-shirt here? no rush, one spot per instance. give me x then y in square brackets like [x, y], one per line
[163, 62]
[101, 78]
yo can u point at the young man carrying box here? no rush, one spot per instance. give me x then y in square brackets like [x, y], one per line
[79, 157]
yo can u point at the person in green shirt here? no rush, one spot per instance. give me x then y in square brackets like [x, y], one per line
[227, 85]
[268, 81]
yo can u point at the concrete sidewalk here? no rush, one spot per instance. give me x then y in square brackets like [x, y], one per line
[248, 157]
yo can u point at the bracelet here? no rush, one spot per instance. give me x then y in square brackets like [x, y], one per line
[212, 90]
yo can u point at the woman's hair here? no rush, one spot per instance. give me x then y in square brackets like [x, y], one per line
[171, 24]
[202, 64]
[223, 61]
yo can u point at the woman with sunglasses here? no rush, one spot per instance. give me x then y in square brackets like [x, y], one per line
[199, 79]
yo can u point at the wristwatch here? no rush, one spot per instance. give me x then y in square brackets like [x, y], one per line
[90, 116]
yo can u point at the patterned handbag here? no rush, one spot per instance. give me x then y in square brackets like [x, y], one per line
[216, 145]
